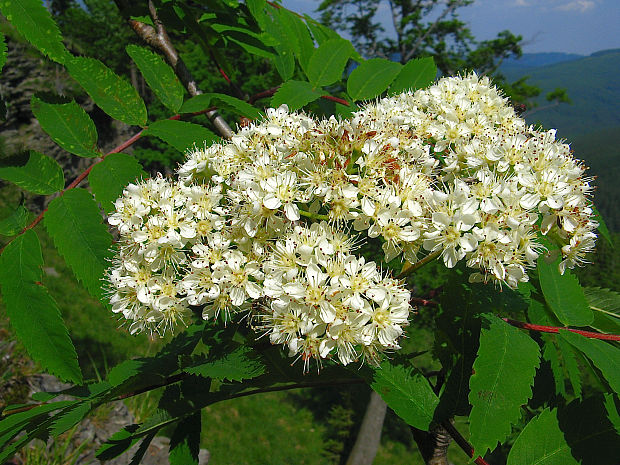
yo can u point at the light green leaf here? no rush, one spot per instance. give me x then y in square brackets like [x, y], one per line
[34, 172]
[284, 61]
[34, 22]
[159, 76]
[295, 94]
[75, 224]
[185, 441]
[181, 134]
[502, 381]
[204, 101]
[563, 294]
[541, 442]
[68, 125]
[15, 222]
[33, 313]
[113, 94]
[303, 45]
[406, 392]
[605, 356]
[235, 366]
[320, 32]
[2, 51]
[602, 226]
[328, 61]
[416, 74]
[108, 178]
[371, 78]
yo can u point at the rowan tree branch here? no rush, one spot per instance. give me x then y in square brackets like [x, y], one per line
[158, 38]
[462, 442]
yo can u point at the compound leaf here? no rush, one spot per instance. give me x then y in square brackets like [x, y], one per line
[235, 366]
[502, 381]
[33, 312]
[75, 224]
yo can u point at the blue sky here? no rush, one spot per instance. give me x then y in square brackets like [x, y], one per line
[570, 26]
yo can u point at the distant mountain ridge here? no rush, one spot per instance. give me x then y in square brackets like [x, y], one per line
[591, 124]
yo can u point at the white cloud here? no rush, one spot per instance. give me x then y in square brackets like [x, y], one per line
[577, 5]
[522, 3]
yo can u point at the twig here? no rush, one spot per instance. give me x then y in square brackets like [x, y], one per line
[556, 329]
[462, 442]
[157, 37]
[419, 264]
[424, 302]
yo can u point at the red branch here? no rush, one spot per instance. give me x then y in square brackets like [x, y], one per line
[462, 442]
[555, 329]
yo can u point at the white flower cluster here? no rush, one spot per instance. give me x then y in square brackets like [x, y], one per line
[448, 171]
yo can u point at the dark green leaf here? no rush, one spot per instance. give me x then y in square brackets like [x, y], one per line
[606, 306]
[185, 441]
[113, 94]
[69, 417]
[541, 442]
[416, 74]
[2, 51]
[181, 134]
[295, 94]
[118, 443]
[235, 366]
[204, 101]
[371, 78]
[17, 419]
[602, 227]
[33, 313]
[573, 373]
[406, 392]
[605, 356]
[141, 451]
[563, 293]
[14, 223]
[68, 125]
[159, 76]
[328, 61]
[502, 381]
[34, 172]
[75, 224]
[34, 22]
[108, 178]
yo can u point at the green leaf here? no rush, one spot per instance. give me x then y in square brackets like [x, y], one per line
[603, 301]
[181, 134]
[34, 22]
[14, 223]
[235, 366]
[108, 178]
[2, 51]
[303, 45]
[204, 101]
[18, 419]
[141, 451]
[185, 441]
[113, 94]
[502, 381]
[605, 356]
[541, 442]
[563, 293]
[328, 61]
[580, 433]
[159, 76]
[33, 313]
[320, 33]
[406, 392]
[34, 172]
[295, 94]
[371, 78]
[569, 359]
[70, 417]
[68, 125]
[416, 74]
[118, 443]
[284, 61]
[75, 224]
